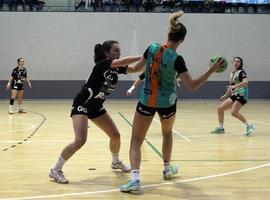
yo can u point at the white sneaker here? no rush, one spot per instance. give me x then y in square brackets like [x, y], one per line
[122, 166]
[58, 176]
[10, 110]
[22, 111]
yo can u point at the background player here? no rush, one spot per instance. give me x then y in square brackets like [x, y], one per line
[16, 83]
[235, 97]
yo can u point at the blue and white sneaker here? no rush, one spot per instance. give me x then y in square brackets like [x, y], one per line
[250, 129]
[131, 186]
[167, 175]
[218, 130]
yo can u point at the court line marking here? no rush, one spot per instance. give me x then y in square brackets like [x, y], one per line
[14, 141]
[19, 130]
[231, 133]
[29, 136]
[264, 123]
[176, 132]
[145, 139]
[144, 186]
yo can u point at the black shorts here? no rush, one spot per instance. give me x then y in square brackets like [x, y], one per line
[91, 113]
[17, 87]
[83, 104]
[164, 113]
[238, 98]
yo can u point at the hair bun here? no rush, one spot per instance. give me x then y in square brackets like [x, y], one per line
[175, 24]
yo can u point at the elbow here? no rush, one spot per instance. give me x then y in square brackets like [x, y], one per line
[193, 88]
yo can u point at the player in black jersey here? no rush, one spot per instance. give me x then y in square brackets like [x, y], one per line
[16, 82]
[88, 104]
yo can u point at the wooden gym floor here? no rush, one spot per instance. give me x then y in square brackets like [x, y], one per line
[212, 167]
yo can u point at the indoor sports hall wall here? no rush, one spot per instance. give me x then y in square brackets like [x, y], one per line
[58, 48]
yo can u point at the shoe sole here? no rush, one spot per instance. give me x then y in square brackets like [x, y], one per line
[167, 178]
[132, 189]
[217, 132]
[115, 168]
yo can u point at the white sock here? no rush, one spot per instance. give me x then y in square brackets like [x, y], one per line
[59, 164]
[220, 125]
[115, 158]
[247, 124]
[167, 166]
[20, 106]
[10, 107]
[135, 175]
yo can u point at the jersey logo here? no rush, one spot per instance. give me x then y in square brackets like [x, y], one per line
[111, 76]
[82, 109]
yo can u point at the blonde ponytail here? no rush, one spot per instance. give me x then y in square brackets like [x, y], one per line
[178, 30]
[175, 25]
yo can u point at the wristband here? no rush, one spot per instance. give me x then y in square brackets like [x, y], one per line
[131, 88]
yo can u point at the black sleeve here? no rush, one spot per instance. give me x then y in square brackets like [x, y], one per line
[145, 54]
[25, 72]
[13, 72]
[180, 65]
[142, 76]
[122, 70]
[242, 75]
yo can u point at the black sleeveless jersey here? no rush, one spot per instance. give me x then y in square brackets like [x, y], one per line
[100, 84]
[19, 75]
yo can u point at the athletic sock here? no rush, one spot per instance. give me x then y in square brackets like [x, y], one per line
[221, 125]
[59, 164]
[11, 102]
[166, 166]
[135, 174]
[115, 158]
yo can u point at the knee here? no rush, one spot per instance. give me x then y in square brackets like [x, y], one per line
[234, 113]
[136, 140]
[80, 142]
[116, 136]
[220, 109]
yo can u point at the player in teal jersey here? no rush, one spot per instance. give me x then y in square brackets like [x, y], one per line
[158, 94]
[235, 98]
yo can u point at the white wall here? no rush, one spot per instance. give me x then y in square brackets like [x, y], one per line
[59, 46]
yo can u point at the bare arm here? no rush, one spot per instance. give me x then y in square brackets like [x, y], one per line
[136, 84]
[28, 81]
[194, 84]
[125, 61]
[138, 67]
[243, 83]
[226, 95]
[9, 82]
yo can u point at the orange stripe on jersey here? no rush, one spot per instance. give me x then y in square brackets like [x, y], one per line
[155, 77]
